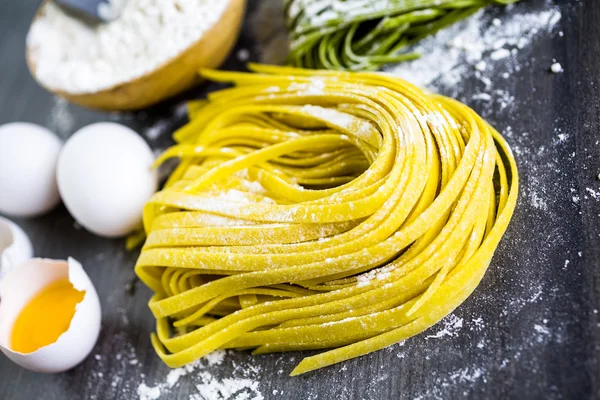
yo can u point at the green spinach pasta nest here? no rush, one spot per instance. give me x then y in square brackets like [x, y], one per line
[321, 210]
[365, 34]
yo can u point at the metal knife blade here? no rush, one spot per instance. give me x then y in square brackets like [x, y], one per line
[94, 10]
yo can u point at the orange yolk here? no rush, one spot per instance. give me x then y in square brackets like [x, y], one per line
[47, 316]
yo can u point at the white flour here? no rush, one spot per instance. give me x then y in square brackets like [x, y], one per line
[452, 326]
[73, 56]
[242, 385]
[157, 130]
[213, 389]
[61, 121]
[475, 47]
[556, 68]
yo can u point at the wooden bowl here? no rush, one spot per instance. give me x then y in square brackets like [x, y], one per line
[172, 77]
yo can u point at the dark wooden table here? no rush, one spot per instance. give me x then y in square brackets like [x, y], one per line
[532, 328]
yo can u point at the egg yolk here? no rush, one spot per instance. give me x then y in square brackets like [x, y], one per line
[47, 316]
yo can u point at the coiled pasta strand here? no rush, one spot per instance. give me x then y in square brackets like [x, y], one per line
[363, 35]
[321, 210]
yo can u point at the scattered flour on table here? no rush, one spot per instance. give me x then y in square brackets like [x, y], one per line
[451, 326]
[117, 364]
[61, 121]
[243, 385]
[556, 68]
[77, 57]
[122, 369]
[541, 329]
[243, 55]
[158, 129]
[213, 389]
[467, 376]
[478, 46]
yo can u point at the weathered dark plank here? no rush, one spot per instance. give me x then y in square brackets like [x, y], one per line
[531, 330]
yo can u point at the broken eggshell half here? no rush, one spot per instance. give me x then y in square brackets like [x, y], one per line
[15, 246]
[19, 287]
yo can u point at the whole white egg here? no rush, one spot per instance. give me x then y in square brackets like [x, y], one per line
[105, 178]
[28, 156]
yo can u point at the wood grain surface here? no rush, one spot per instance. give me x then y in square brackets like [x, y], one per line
[530, 331]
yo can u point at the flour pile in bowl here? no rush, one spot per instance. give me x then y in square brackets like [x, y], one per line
[76, 57]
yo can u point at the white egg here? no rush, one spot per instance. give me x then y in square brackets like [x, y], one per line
[105, 178]
[73, 346]
[15, 246]
[28, 156]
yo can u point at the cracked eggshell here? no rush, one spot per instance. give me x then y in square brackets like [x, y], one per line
[15, 246]
[72, 347]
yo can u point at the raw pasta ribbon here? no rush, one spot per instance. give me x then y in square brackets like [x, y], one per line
[321, 210]
[365, 34]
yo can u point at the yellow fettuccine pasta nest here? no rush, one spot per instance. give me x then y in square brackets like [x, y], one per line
[321, 210]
